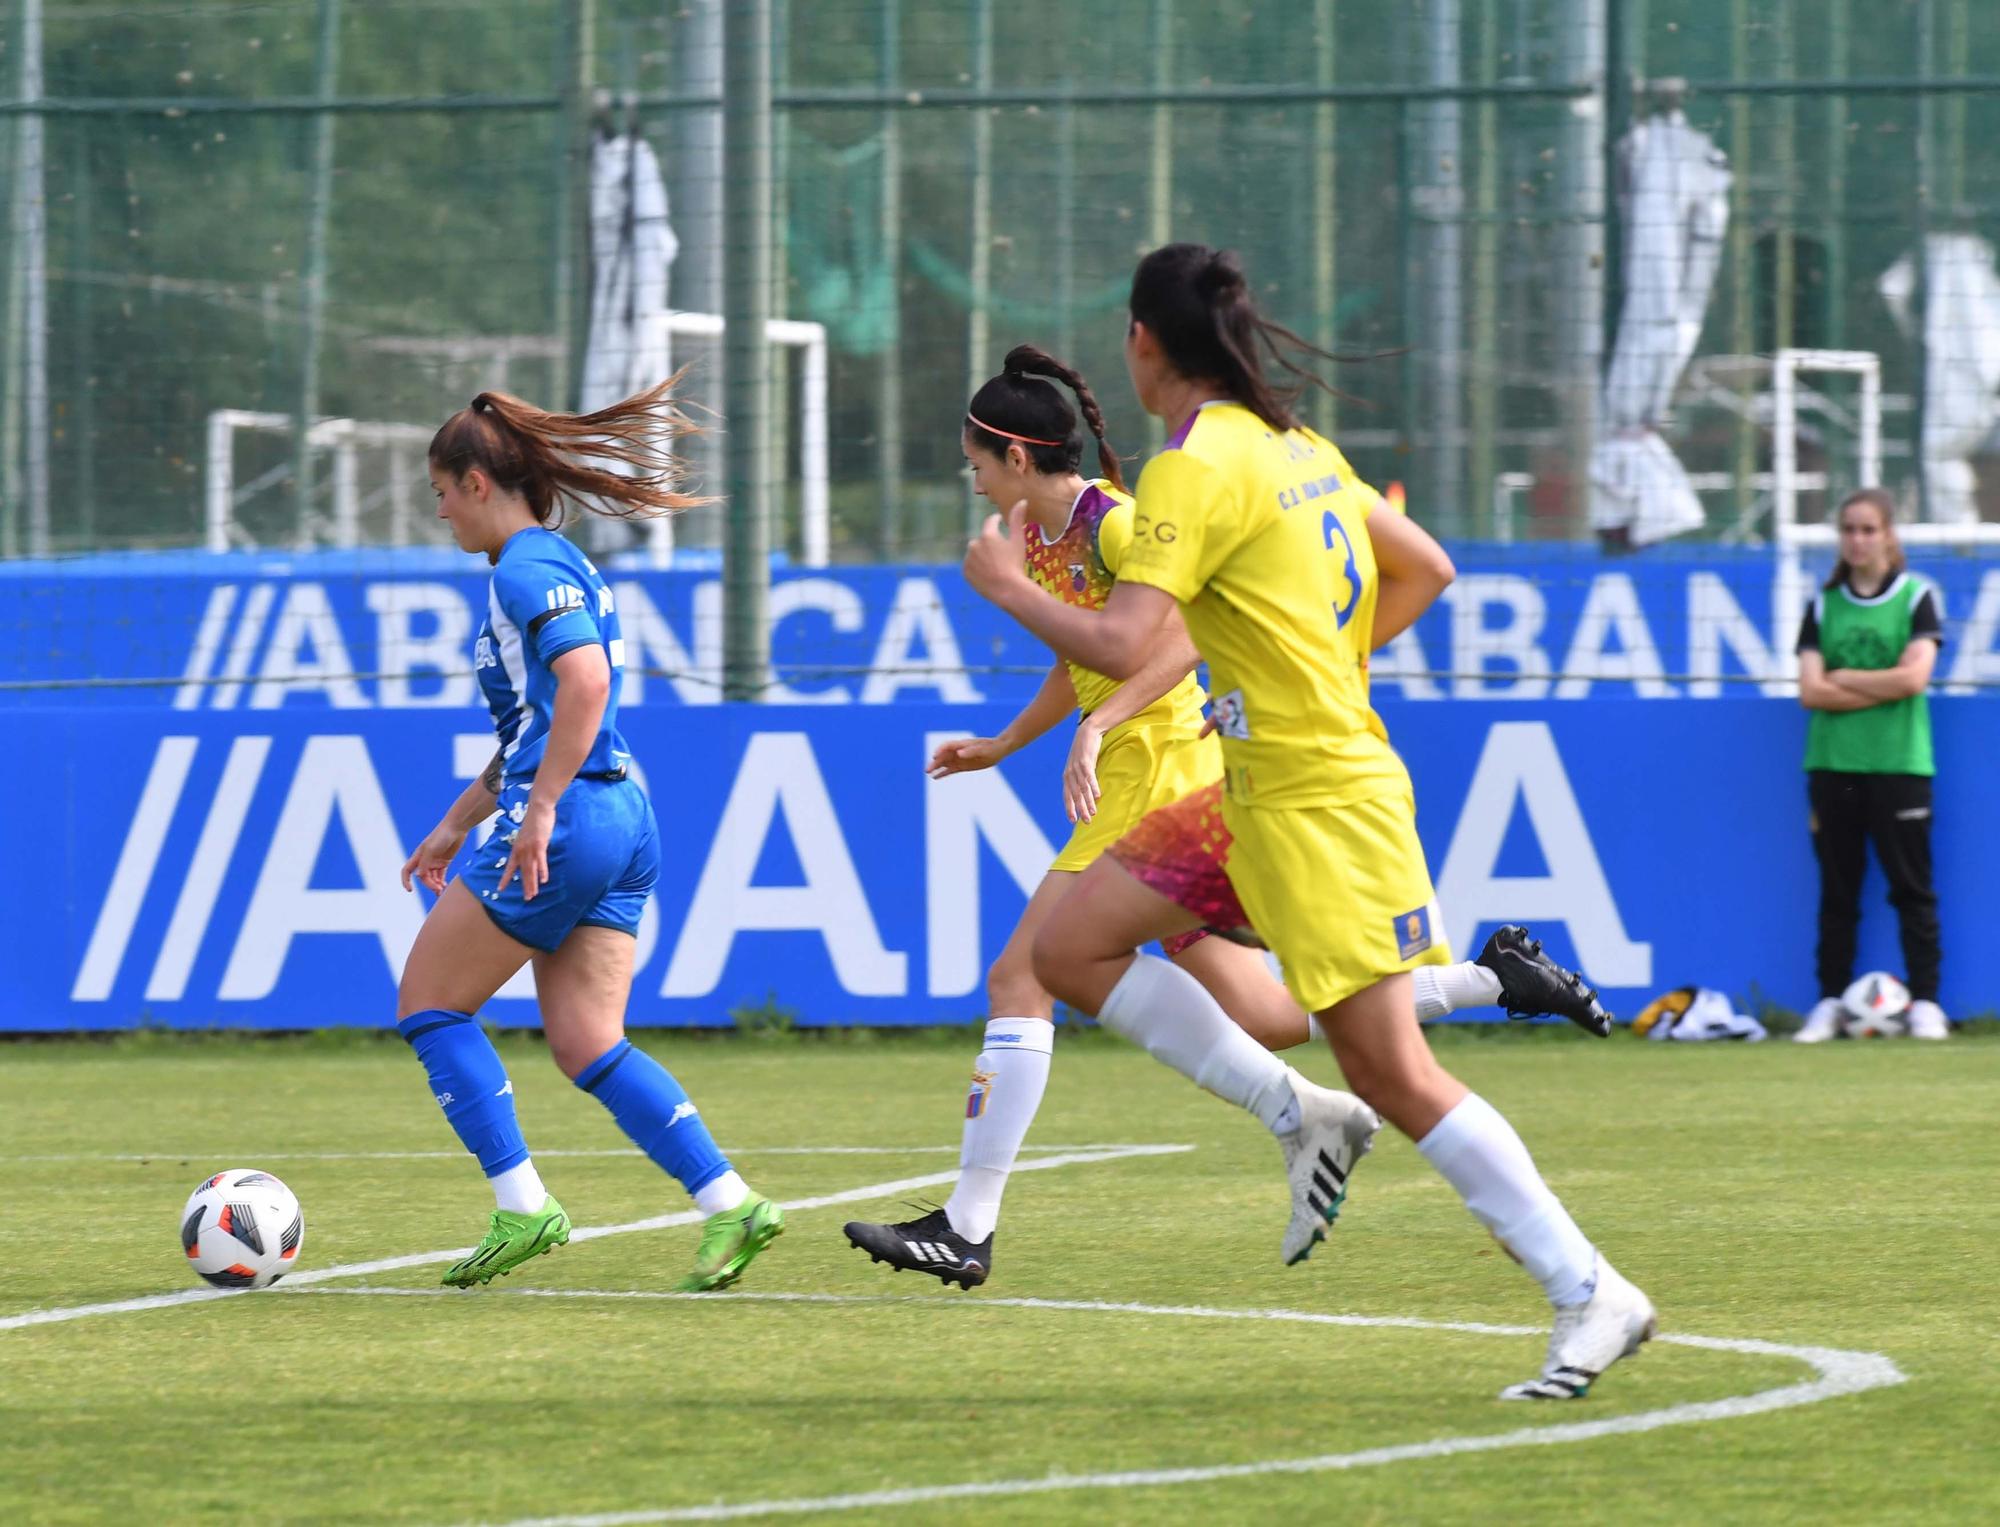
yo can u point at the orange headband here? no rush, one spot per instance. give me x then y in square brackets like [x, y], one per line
[1008, 434]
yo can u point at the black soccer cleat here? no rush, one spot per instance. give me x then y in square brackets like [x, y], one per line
[927, 1245]
[1532, 984]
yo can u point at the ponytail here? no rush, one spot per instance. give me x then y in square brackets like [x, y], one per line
[1020, 405]
[616, 462]
[1196, 302]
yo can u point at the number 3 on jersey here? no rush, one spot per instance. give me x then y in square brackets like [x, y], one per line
[1347, 577]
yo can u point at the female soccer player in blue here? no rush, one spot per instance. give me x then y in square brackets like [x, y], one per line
[563, 880]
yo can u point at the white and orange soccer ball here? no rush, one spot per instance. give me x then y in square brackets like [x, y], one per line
[1875, 1006]
[242, 1229]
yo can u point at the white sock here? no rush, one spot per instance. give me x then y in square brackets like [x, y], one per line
[1162, 1008]
[1007, 1084]
[1478, 1153]
[519, 1189]
[1442, 989]
[725, 1192]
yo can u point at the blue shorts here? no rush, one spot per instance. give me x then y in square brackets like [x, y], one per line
[604, 858]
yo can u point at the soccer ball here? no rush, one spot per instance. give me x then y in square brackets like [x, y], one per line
[1875, 1005]
[242, 1229]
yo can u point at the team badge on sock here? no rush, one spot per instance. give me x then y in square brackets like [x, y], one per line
[982, 1088]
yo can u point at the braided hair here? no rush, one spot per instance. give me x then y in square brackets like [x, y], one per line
[1024, 405]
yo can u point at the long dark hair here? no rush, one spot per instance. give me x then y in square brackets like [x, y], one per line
[1022, 405]
[1196, 302]
[559, 461]
[1879, 500]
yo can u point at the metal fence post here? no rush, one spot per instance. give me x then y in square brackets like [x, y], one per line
[1580, 340]
[1325, 182]
[889, 374]
[326, 71]
[746, 303]
[1442, 189]
[980, 263]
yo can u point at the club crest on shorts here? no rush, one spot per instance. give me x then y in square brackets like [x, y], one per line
[1413, 933]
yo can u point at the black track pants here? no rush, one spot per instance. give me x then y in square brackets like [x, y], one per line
[1893, 811]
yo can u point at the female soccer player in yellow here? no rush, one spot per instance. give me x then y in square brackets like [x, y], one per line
[1261, 533]
[1139, 745]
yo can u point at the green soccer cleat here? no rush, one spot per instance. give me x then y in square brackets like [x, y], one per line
[730, 1241]
[511, 1239]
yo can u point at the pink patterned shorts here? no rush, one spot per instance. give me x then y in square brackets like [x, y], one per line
[1181, 851]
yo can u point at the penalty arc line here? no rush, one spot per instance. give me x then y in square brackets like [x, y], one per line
[587, 1233]
[1839, 1372]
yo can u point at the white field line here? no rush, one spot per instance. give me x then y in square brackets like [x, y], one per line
[459, 1155]
[1084, 1157]
[1838, 1373]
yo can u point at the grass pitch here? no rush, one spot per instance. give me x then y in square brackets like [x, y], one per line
[1838, 1197]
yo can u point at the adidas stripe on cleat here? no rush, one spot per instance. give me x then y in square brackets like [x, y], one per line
[1613, 1323]
[1336, 1129]
[928, 1245]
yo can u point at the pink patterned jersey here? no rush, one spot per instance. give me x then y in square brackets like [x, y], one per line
[1078, 567]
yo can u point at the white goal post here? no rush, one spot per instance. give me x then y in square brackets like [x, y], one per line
[399, 450]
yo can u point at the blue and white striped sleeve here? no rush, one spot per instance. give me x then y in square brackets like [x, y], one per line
[550, 603]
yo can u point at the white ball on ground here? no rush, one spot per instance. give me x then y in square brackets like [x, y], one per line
[242, 1229]
[1875, 1005]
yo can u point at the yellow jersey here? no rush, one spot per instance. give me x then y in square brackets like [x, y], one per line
[1261, 535]
[1078, 567]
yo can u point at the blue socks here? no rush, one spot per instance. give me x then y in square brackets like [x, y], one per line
[470, 1085]
[654, 1111]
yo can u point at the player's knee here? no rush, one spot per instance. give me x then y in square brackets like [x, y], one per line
[415, 994]
[573, 1052]
[1012, 990]
[1058, 953]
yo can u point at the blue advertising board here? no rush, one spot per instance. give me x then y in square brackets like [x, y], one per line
[220, 848]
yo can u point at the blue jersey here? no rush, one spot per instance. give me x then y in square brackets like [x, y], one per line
[545, 599]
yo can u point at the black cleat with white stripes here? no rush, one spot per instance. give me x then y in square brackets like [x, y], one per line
[926, 1245]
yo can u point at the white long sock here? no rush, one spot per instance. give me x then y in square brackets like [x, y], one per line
[1007, 1084]
[519, 1189]
[1442, 989]
[721, 1193]
[1478, 1153]
[1162, 1008]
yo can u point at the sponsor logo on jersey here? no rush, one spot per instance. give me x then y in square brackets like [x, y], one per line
[1231, 720]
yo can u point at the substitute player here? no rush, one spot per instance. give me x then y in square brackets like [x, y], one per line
[1139, 745]
[1261, 532]
[563, 881]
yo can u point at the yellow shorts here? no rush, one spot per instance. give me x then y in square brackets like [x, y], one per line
[1139, 768]
[1339, 893]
